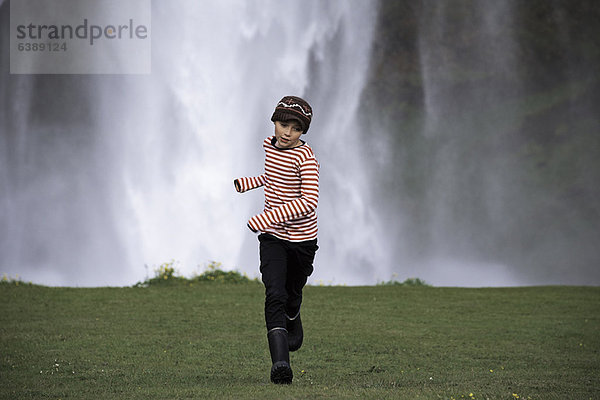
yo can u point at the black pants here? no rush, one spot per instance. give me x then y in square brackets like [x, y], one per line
[285, 267]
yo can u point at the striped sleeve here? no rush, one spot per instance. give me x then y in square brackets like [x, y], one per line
[299, 207]
[244, 184]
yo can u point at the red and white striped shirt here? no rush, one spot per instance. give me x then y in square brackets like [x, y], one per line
[291, 185]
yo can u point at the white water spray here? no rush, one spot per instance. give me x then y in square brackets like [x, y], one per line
[166, 148]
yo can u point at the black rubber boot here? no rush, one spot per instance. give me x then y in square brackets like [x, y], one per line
[281, 372]
[295, 332]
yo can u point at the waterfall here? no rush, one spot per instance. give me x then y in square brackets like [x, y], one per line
[464, 182]
[461, 148]
[109, 174]
[492, 141]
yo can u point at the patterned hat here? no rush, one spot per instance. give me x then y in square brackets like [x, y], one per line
[292, 107]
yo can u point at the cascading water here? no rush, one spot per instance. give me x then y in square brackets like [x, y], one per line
[460, 179]
[106, 174]
[470, 160]
[489, 166]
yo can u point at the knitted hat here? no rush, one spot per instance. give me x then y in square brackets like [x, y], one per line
[292, 107]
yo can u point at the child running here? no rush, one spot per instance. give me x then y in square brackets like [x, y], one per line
[287, 228]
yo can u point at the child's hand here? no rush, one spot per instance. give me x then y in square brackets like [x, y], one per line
[255, 224]
[237, 185]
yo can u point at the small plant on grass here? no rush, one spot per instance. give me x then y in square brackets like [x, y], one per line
[166, 274]
[165, 271]
[406, 282]
[214, 273]
[16, 281]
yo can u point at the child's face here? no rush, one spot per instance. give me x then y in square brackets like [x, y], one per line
[287, 133]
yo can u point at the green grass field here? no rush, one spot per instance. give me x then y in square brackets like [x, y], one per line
[383, 342]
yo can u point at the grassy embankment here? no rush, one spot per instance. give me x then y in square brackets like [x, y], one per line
[207, 340]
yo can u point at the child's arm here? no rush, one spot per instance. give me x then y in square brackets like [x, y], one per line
[305, 204]
[244, 184]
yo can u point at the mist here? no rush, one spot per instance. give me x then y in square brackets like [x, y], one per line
[490, 161]
[458, 143]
